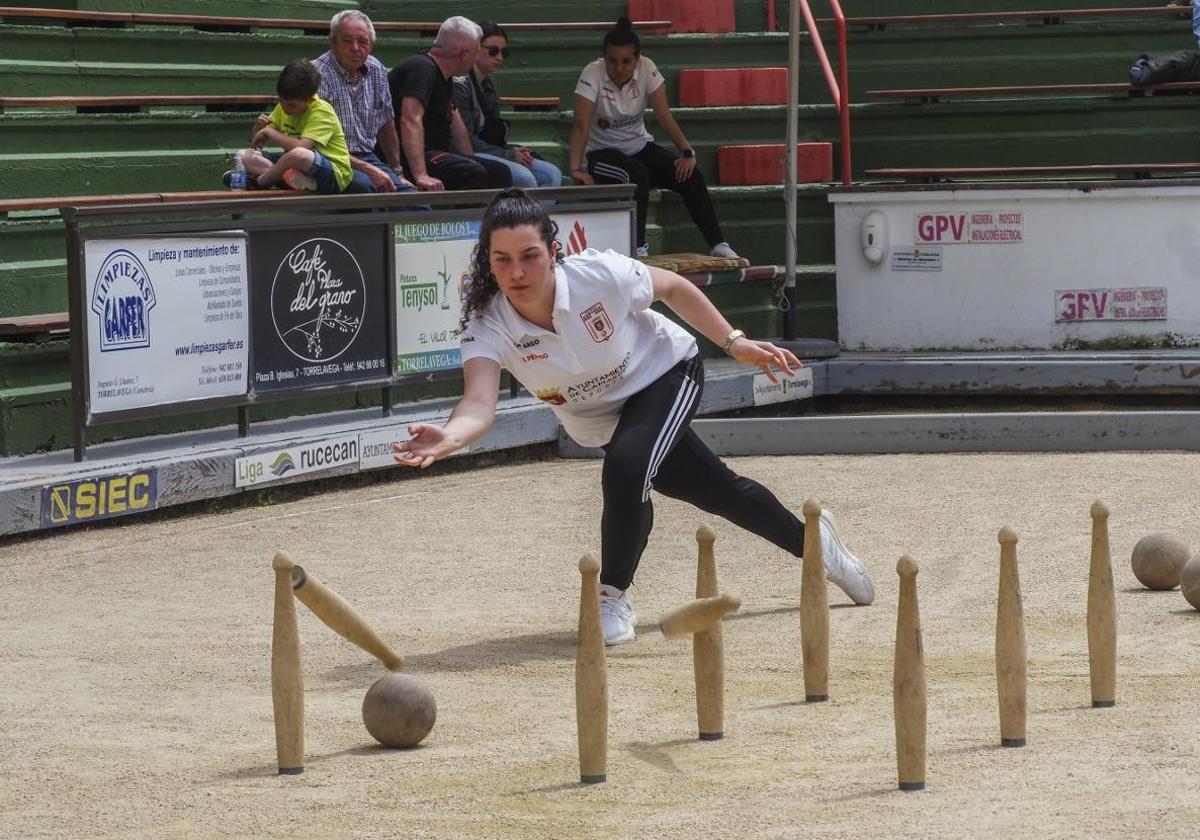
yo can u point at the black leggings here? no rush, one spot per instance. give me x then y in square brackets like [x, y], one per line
[654, 167]
[654, 447]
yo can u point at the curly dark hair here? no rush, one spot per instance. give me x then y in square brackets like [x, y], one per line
[509, 209]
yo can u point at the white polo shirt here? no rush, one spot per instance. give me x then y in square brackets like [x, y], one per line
[617, 122]
[606, 346]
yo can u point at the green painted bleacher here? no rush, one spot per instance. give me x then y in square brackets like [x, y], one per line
[56, 152]
[238, 8]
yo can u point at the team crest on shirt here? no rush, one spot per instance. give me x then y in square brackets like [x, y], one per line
[598, 324]
[551, 395]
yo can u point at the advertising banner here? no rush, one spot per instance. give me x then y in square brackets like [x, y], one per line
[1133, 303]
[786, 389]
[433, 260]
[166, 319]
[103, 497]
[319, 302]
[301, 459]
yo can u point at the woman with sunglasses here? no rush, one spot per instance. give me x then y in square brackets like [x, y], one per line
[477, 100]
[610, 103]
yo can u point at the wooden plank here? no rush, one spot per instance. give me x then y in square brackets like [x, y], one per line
[72, 16]
[133, 101]
[33, 324]
[19, 204]
[1136, 169]
[1043, 14]
[544, 103]
[1002, 90]
[234, 195]
[67, 15]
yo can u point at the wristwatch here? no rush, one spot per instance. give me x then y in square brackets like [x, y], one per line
[729, 339]
[688, 153]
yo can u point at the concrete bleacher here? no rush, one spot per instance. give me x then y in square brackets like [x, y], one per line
[174, 145]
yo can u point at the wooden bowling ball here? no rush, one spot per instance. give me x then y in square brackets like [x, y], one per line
[399, 710]
[1158, 559]
[1189, 581]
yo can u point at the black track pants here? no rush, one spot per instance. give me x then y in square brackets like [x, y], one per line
[654, 167]
[654, 447]
[466, 173]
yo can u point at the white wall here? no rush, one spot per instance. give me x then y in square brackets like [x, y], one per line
[1048, 268]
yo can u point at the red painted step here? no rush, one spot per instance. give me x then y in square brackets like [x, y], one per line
[687, 15]
[764, 164]
[733, 86]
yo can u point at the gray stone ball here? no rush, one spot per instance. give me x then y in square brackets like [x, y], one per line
[1158, 560]
[1189, 581]
[399, 710]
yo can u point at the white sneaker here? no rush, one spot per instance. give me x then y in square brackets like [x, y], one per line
[642, 251]
[842, 567]
[723, 250]
[616, 616]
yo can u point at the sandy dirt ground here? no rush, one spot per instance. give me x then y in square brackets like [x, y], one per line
[135, 665]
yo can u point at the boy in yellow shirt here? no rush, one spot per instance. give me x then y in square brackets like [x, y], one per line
[315, 156]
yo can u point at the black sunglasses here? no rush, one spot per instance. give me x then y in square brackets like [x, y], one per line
[495, 51]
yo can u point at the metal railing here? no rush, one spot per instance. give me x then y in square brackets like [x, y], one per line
[839, 86]
[839, 89]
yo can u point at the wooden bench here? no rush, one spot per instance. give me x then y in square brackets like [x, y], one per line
[1043, 16]
[932, 174]
[926, 95]
[214, 23]
[30, 205]
[34, 327]
[134, 104]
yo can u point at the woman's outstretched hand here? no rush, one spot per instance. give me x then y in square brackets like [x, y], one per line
[425, 445]
[765, 355]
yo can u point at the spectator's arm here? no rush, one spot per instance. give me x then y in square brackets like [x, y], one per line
[273, 137]
[380, 180]
[389, 144]
[459, 135]
[260, 122]
[412, 135]
[684, 166]
[584, 108]
[662, 111]
[412, 138]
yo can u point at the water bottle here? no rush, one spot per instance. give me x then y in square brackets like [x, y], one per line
[239, 179]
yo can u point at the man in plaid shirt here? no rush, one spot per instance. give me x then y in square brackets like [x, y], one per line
[355, 83]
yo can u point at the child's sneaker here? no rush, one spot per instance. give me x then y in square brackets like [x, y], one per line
[724, 251]
[642, 251]
[616, 616]
[842, 567]
[298, 180]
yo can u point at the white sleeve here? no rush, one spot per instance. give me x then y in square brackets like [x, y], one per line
[652, 80]
[632, 278]
[479, 342]
[588, 85]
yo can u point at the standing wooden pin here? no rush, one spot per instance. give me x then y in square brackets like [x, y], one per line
[591, 678]
[1102, 613]
[1010, 645]
[814, 609]
[702, 618]
[287, 684]
[908, 682]
[337, 614]
[708, 648]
